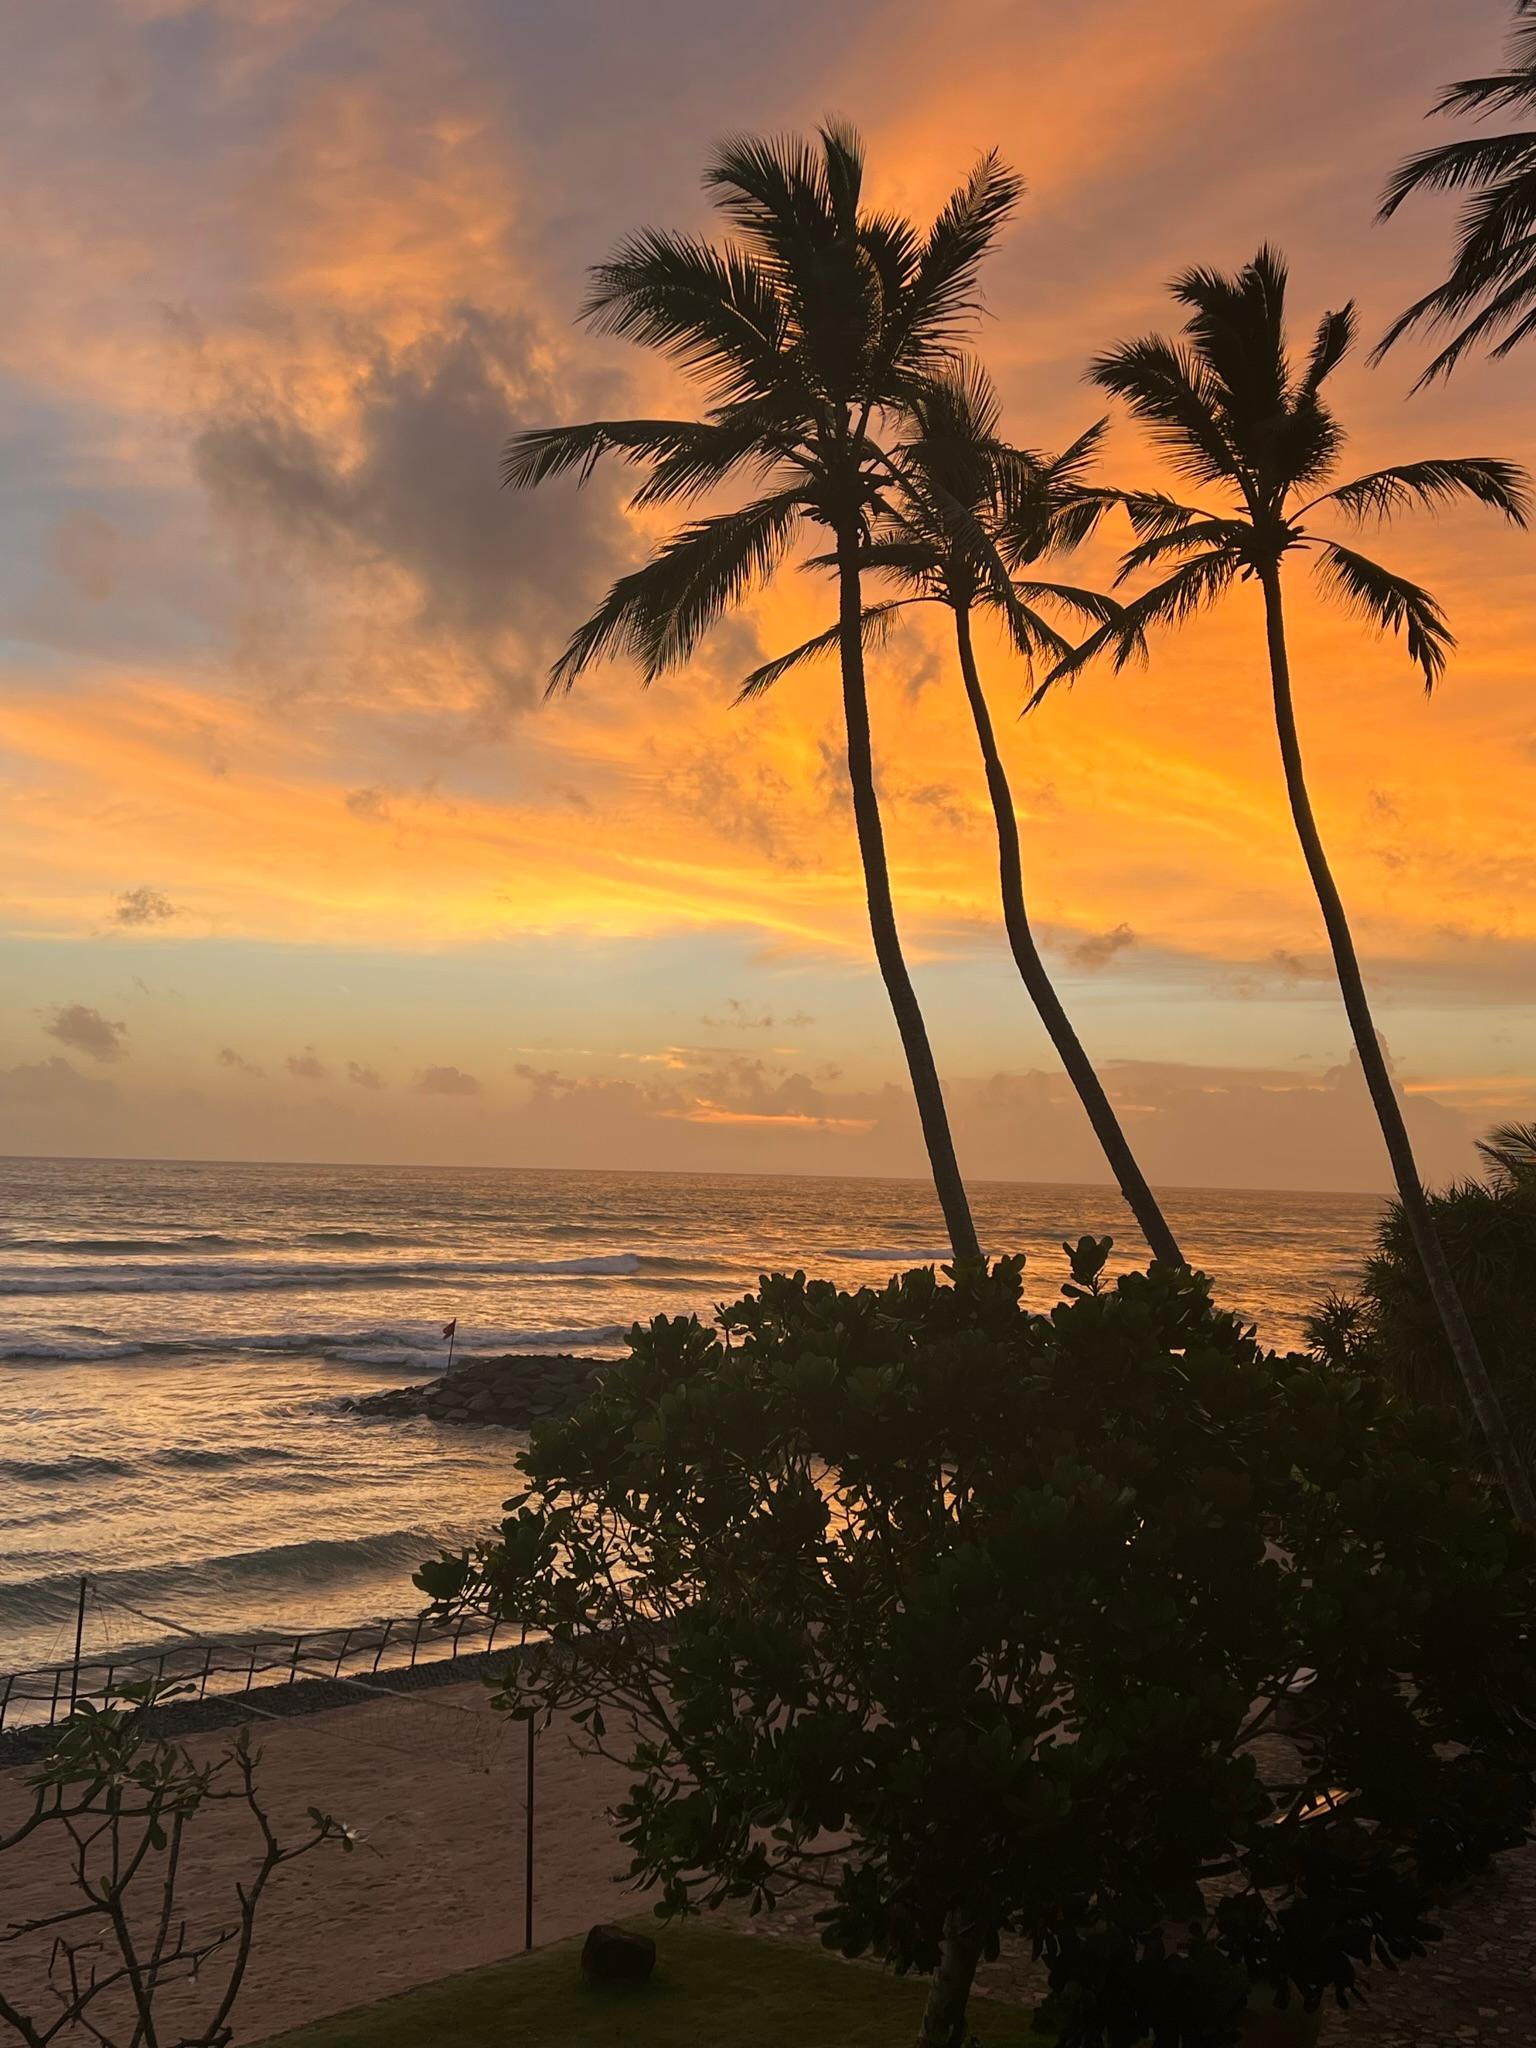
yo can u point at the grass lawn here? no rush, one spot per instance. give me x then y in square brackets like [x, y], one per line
[712, 1985]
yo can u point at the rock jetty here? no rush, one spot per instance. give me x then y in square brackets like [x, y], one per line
[511, 1393]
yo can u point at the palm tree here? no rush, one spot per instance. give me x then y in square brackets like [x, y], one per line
[1490, 294]
[810, 328]
[1231, 411]
[968, 511]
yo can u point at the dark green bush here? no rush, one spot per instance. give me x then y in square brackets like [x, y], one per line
[972, 1618]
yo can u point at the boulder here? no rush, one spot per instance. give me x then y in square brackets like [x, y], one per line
[613, 1955]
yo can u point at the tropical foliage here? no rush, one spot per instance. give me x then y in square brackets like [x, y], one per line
[1489, 298]
[979, 1623]
[1232, 413]
[1488, 1228]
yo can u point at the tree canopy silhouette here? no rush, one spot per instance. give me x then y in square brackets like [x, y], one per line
[1489, 298]
[1229, 409]
[812, 329]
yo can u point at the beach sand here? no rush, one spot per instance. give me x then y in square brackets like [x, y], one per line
[434, 1785]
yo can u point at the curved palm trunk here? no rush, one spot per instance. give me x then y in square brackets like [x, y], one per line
[882, 916]
[1032, 972]
[1410, 1189]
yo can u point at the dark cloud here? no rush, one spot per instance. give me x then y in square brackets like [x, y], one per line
[86, 1030]
[304, 1066]
[445, 1081]
[143, 906]
[369, 803]
[364, 1077]
[411, 485]
[228, 1057]
[740, 1016]
[1102, 947]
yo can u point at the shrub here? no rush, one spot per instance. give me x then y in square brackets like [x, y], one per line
[1488, 1228]
[976, 1621]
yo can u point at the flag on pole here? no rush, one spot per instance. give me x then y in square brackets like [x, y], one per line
[451, 1329]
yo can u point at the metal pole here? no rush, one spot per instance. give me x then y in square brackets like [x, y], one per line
[74, 1669]
[528, 1847]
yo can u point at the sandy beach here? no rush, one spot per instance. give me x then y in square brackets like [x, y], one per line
[434, 1785]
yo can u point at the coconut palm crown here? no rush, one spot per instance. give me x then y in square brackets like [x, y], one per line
[1489, 298]
[811, 328]
[966, 513]
[1233, 414]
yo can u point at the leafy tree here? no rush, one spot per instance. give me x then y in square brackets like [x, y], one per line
[1488, 1228]
[112, 1807]
[982, 1623]
[969, 512]
[811, 329]
[1230, 410]
[1489, 297]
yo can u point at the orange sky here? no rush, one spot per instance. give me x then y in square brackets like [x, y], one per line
[277, 789]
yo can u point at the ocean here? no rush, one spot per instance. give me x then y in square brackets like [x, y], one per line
[176, 1340]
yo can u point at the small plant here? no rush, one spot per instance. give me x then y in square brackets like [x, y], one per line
[111, 1808]
[974, 1622]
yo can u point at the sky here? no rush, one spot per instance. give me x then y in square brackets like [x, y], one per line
[297, 862]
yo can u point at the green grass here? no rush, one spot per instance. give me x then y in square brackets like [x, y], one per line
[712, 1985]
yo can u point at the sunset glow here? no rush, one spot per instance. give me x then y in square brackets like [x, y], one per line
[281, 801]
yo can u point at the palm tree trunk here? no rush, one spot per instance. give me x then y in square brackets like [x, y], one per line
[1410, 1189]
[943, 2022]
[1032, 972]
[882, 916]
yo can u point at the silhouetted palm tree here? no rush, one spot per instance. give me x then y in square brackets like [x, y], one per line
[1228, 409]
[810, 329]
[1490, 295]
[967, 512]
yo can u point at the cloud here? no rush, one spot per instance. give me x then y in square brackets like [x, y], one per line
[228, 1057]
[740, 1016]
[304, 1066]
[143, 906]
[86, 1030]
[445, 1081]
[399, 502]
[364, 1077]
[373, 804]
[1102, 947]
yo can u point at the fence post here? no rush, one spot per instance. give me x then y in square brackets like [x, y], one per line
[341, 1653]
[5, 1697]
[293, 1667]
[383, 1639]
[416, 1640]
[528, 1847]
[74, 1669]
[53, 1704]
[202, 1690]
[250, 1676]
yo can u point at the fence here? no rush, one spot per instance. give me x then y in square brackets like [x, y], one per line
[44, 1695]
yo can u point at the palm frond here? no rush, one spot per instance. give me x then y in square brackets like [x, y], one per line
[1168, 387]
[1335, 339]
[1452, 166]
[1487, 479]
[1447, 302]
[657, 614]
[1191, 587]
[1230, 534]
[756, 438]
[942, 302]
[1510, 1150]
[713, 311]
[1237, 326]
[1391, 603]
[775, 189]
[874, 627]
[542, 452]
